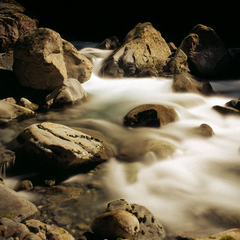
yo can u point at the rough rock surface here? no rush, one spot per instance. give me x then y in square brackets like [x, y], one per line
[207, 55]
[13, 23]
[6, 156]
[27, 104]
[150, 227]
[43, 60]
[109, 43]
[68, 93]
[6, 60]
[12, 112]
[150, 115]
[116, 224]
[58, 147]
[12, 202]
[186, 82]
[143, 52]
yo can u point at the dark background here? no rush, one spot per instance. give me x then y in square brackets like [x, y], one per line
[78, 20]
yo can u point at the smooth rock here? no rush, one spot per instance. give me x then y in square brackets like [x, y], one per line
[24, 185]
[226, 110]
[43, 60]
[116, 224]
[59, 234]
[150, 115]
[28, 104]
[204, 130]
[12, 202]
[230, 234]
[186, 82]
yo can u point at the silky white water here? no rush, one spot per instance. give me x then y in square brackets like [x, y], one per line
[187, 191]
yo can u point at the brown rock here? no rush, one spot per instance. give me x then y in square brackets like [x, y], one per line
[204, 130]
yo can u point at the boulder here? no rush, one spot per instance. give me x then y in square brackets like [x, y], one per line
[10, 112]
[150, 115]
[130, 150]
[68, 93]
[186, 82]
[16, 205]
[43, 60]
[207, 55]
[116, 224]
[55, 148]
[24, 185]
[109, 43]
[13, 23]
[150, 227]
[142, 49]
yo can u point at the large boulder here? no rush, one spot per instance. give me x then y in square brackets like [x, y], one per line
[18, 207]
[43, 60]
[143, 52]
[186, 82]
[10, 112]
[207, 54]
[13, 23]
[150, 115]
[53, 148]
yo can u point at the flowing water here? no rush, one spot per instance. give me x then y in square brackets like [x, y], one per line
[196, 189]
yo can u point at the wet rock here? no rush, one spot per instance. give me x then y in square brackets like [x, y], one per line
[27, 104]
[186, 82]
[43, 60]
[143, 48]
[10, 228]
[10, 112]
[7, 157]
[133, 149]
[59, 234]
[207, 55]
[57, 148]
[19, 207]
[13, 23]
[116, 224]
[204, 130]
[10, 99]
[109, 43]
[150, 228]
[150, 115]
[70, 92]
[24, 185]
[235, 103]
[226, 110]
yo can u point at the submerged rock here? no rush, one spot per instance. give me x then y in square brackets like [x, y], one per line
[186, 82]
[60, 148]
[207, 55]
[142, 52]
[150, 115]
[43, 60]
[116, 224]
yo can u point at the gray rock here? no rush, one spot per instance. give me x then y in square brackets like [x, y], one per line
[186, 82]
[207, 54]
[68, 93]
[150, 115]
[143, 48]
[43, 60]
[18, 206]
[116, 224]
[10, 112]
[58, 147]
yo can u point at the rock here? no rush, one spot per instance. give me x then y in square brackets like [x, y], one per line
[231, 234]
[18, 206]
[10, 112]
[133, 149]
[150, 227]
[43, 60]
[204, 130]
[226, 110]
[207, 55]
[150, 115]
[172, 47]
[37, 227]
[116, 224]
[235, 103]
[10, 228]
[10, 99]
[59, 234]
[7, 157]
[13, 23]
[109, 43]
[68, 93]
[24, 185]
[59, 148]
[6, 61]
[186, 82]
[27, 104]
[32, 236]
[142, 49]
